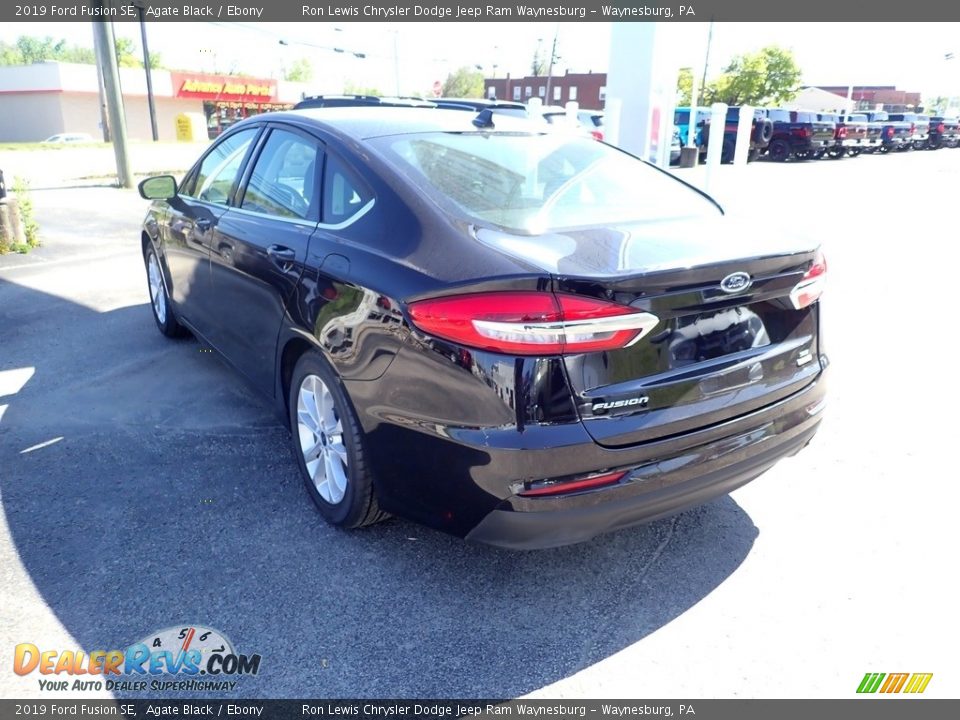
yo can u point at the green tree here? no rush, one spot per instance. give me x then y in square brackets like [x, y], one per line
[300, 71]
[27, 50]
[767, 77]
[463, 83]
[352, 88]
[684, 87]
[538, 66]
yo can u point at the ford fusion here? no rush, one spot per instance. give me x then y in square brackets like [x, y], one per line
[519, 337]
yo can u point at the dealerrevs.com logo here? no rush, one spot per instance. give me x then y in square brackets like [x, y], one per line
[185, 653]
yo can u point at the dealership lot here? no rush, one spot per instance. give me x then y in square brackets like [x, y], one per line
[143, 486]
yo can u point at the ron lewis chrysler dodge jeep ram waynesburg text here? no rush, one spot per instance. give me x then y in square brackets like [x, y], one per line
[520, 337]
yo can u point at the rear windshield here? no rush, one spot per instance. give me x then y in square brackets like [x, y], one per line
[537, 183]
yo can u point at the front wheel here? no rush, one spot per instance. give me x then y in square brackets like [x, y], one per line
[328, 445]
[779, 150]
[163, 314]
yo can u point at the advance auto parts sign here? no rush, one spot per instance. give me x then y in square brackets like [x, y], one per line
[223, 87]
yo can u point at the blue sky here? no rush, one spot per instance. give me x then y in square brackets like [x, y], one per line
[909, 55]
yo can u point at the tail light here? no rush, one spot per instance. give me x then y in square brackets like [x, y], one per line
[841, 133]
[802, 132]
[890, 132]
[597, 135]
[549, 487]
[810, 288]
[913, 128]
[532, 323]
[940, 129]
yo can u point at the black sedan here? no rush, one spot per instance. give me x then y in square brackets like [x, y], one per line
[519, 337]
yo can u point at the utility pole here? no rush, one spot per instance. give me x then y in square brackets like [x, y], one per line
[706, 62]
[553, 56]
[104, 120]
[107, 61]
[146, 68]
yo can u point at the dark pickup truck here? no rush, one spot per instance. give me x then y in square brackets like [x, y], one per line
[852, 135]
[919, 129]
[944, 131]
[799, 134]
[761, 131]
[894, 134]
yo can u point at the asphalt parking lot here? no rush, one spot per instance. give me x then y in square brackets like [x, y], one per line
[143, 486]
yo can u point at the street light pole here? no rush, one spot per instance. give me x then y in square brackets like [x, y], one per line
[146, 66]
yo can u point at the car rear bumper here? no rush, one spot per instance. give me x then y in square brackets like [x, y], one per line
[659, 485]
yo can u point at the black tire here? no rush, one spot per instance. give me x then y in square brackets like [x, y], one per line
[779, 150]
[726, 152]
[753, 154]
[358, 506]
[836, 152]
[817, 154]
[163, 313]
[853, 152]
[765, 130]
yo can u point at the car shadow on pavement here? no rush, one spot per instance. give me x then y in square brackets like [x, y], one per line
[171, 498]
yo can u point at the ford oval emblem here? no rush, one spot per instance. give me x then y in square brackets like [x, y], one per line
[735, 282]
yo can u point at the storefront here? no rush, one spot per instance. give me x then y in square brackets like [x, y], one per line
[47, 98]
[228, 99]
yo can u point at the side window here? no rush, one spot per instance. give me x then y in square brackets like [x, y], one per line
[283, 179]
[218, 170]
[343, 193]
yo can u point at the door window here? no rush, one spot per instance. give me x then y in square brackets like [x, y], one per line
[218, 171]
[284, 177]
[343, 193]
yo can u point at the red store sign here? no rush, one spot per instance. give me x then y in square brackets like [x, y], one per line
[223, 87]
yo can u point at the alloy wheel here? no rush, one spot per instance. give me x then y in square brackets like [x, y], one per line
[157, 293]
[321, 439]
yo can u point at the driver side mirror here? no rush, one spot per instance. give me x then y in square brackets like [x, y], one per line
[161, 187]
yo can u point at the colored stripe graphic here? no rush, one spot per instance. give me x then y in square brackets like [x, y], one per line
[870, 682]
[918, 683]
[894, 683]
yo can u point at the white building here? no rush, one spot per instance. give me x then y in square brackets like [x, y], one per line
[40, 100]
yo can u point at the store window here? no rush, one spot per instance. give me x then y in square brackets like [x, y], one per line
[556, 93]
[516, 92]
[573, 92]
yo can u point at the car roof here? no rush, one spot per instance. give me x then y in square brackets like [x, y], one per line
[361, 123]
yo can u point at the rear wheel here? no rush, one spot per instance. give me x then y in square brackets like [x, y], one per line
[853, 152]
[779, 150]
[328, 445]
[836, 152]
[163, 314]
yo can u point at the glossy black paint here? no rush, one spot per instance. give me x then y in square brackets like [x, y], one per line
[453, 433]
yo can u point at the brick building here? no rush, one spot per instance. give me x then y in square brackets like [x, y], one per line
[867, 97]
[587, 89]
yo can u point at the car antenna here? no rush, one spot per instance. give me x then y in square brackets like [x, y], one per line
[484, 119]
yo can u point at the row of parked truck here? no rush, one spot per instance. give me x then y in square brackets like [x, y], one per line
[781, 135]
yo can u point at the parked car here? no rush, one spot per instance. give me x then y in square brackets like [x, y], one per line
[592, 120]
[675, 146]
[944, 131]
[867, 134]
[499, 107]
[761, 132]
[321, 101]
[681, 118]
[894, 134]
[799, 134]
[522, 338]
[919, 129]
[851, 134]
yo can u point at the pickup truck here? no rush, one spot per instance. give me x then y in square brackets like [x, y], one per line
[919, 129]
[944, 132]
[681, 118]
[850, 136]
[761, 130]
[799, 134]
[894, 134]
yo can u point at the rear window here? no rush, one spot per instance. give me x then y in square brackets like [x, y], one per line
[538, 183]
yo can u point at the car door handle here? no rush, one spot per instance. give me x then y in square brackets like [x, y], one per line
[281, 253]
[204, 224]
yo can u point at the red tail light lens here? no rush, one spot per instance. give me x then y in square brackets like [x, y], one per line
[913, 128]
[889, 132]
[597, 135]
[532, 323]
[560, 488]
[841, 133]
[810, 288]
[940, 128]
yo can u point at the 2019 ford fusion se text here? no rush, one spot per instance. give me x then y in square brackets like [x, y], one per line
[519, 337]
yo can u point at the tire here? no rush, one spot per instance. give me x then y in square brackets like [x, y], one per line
[853, 152]
[163, 313]
[726, 152]
[779, 150]
[338, 478]
[753, 155]
[836, 152]
[766, 131]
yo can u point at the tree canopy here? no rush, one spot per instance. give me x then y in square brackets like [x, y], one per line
[26, 50]
[463, 83]
[299, 71]
[769, 76]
